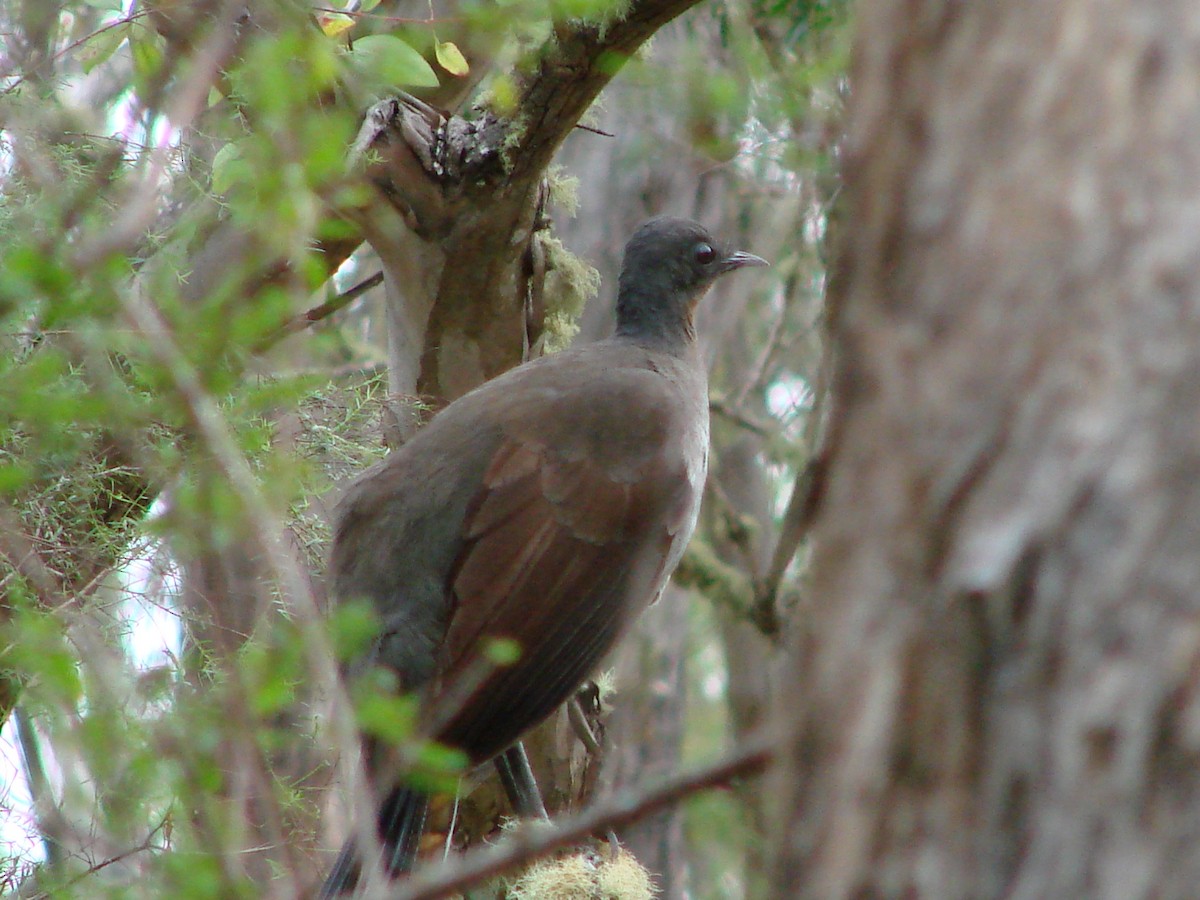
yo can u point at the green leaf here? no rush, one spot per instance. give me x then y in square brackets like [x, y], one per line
[450, 58]
[352, 627]
[367, 5]
[502, 651]
[106, 5]
[102, 45]
[334, 23]
[439, 760]
[146, 49]
[385, 61]
[227, 167]
[392, 719]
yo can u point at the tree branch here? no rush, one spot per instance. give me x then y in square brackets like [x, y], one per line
[624, 808]
[573, 70]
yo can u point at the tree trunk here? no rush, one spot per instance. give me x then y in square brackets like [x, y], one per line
[996, 693]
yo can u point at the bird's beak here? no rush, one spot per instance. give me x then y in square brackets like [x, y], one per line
[741, 259]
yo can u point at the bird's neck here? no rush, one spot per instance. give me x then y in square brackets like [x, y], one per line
[650, 325]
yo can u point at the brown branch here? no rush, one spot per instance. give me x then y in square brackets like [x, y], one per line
[575, 66]
[626, 807]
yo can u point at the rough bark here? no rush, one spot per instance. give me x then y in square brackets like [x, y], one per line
[996, 692]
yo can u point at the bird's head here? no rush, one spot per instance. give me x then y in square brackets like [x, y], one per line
[669, 264]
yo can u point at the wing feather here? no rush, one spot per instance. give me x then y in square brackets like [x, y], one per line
[558, 556]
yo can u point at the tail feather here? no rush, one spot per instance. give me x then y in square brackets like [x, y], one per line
[400, 823]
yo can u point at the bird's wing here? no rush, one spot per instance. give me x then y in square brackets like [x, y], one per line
[560, 552]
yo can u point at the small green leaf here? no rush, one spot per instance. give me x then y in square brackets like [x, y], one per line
[106, 5]
[611, 62]
[438, 759]
[335, 23]
[437, 767]
[392, 719]
[352, 627]
[59, 675]
[385, 61]
[102, 45]
[226, 167]
[450, 58]
[146, 49]
[273, 695]
[367, 5]
[502, 651]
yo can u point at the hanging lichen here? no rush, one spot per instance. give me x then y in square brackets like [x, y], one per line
[570, 283]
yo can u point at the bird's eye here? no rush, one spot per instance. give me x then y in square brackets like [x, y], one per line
[704, 254]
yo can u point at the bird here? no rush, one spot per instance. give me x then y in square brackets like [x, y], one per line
[547, 508]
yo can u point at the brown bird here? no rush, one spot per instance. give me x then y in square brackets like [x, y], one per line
[547, 507]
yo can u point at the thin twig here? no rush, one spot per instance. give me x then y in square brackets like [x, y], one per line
[108, 26]
[594, 130]
[44, 808]
[319, 312]
[628, 806]
[144, 847]
[402, 20]
[20, 552]
[775, 334]
[806, 490]
[738, 416]
[130, 221]
[579, 723]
